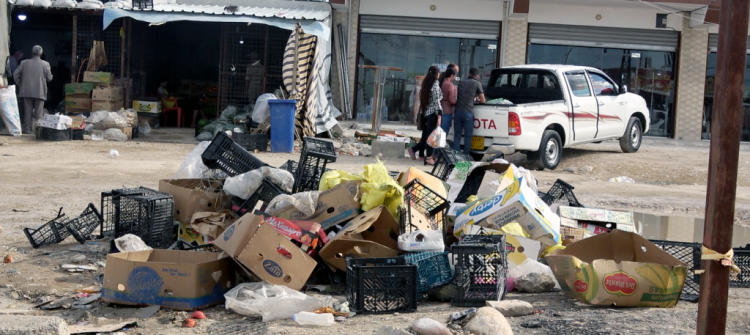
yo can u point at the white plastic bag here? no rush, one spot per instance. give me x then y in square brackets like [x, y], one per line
[24, 2]
[98, 116]
[65, 4]
[438, 138]
[130, 242]
[244, 185]
[9, 110]
[271, 302]
[43, 3]
[114, 120]
[144, 128]
[114, 134]
[262, 110]
[113, 5]
[526, 176]
[530, 266]
[90, 4]
[193, 168]
[422, 241]
[304, 202]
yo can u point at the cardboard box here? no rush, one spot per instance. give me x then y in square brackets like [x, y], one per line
[187, 234]
[51, 125]
[336, 205]
[516, 203]
[371, 234]
[188, 199]
[66, 120]
[77, 122]
[98, 78]
[571, 235]
[79, 88]
[624, 220]
[452, 214]
[181, 280]
[128, 131]
[428, 180]
[109, 106]
[76, 102]
[592, 229]
[496, 178]
[147, 106]
[210, 224]
[234, 239]
[113, 93]
[275, 259]
[619, 268]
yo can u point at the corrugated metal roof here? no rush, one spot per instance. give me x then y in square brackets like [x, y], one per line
[299, 13]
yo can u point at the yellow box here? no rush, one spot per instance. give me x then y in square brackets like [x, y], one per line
[107, 94]
[99, 78]
[141, 106]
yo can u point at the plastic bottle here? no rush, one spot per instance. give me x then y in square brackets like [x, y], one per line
[307, 318]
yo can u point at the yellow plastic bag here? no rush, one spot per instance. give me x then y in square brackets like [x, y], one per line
[378, 187]
[332, 178]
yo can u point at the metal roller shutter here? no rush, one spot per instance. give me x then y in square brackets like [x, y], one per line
[420, 26]
[713, 43]
[604, 37]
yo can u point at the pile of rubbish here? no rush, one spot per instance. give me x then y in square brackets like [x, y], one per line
[467, 232]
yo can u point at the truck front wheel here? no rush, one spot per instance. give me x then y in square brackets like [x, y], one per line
[550, 150]
[631, 140]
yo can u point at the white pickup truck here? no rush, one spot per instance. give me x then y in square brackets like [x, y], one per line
[555, 107]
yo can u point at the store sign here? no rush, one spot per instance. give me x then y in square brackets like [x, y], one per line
[492, 47]
[635, 55]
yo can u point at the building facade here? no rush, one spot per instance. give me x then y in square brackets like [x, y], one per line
[662, 50]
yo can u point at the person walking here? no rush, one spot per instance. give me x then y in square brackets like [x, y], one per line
[32, 76]
[469, 90]
[449, 98]
[429, 99]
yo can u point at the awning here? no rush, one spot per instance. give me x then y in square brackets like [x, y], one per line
[309, 15]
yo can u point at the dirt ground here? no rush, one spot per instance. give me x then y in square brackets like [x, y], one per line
[37, 178]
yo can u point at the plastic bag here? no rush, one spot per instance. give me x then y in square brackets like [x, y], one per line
[527, 177]
[9, 110]
[262, 110]
[130, 116]
[271, 302]
[244, 185]
[43, 3]
[422, 241]
[193, 168]
[229, 113]
[114, 134]
[113, 120]
[97, 116]
[90, 4]
[114, 5]
[304, 202]
[126, 4]
[378, 189]
[144, 129]
[24, 2]
[130, 242]
[530, 266]
[205, 136]
[438, 138]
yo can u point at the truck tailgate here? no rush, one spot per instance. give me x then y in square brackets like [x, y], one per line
[491, 120]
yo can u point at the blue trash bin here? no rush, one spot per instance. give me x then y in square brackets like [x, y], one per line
[282, 124]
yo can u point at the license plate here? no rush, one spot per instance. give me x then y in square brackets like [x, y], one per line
[477, 143]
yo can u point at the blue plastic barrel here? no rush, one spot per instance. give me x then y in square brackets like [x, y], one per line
[282, 124]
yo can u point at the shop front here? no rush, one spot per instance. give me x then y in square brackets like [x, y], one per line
[413, 45]
[708, 105]
[642, 59]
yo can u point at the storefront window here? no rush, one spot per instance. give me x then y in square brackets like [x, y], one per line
[415, 54]
[708, 104]
[650, 74]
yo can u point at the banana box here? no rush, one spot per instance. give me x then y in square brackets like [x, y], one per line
[516, 203]
[619, 268]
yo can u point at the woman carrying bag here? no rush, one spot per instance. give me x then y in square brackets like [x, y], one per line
[430, 110]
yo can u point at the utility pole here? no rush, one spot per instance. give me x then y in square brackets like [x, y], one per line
[722, 167]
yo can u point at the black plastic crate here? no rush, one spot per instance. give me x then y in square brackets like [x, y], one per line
[265, 192]
[481, 267]
[251, 141]
[742, 260]
[381, 285]
[51, 232]
[562, 193]
[77, 134]
[315, 156]
[49, 134]
[230, 157]
[290, 166]
[420, 198]
[83, 225]
[155, 223]
[313, 147]
[471, 185]
[690, 254]
[117, 206]
[446, 161]
[182, 245]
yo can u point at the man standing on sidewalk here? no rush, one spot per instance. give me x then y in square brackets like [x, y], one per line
[463, 118]
[32, 77]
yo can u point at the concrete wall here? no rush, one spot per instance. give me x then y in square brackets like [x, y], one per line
[516, 39]
[491, 10]
[613, 14]
[691, 78]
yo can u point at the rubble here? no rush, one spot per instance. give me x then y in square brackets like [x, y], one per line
[427, 326]
[488, 321]
[535, 283]
[512, 308]
[33, 325]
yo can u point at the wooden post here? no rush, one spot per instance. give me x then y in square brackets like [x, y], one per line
[122, 51]
[722, 167]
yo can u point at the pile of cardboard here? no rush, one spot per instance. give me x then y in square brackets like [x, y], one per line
[95, 93]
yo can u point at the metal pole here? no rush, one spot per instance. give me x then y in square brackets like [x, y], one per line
[73, 55]
[723, 161]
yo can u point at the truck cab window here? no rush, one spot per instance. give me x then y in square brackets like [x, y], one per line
[602, 86]
[578, 84]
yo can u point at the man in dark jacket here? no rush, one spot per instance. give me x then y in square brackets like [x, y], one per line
[32, 77]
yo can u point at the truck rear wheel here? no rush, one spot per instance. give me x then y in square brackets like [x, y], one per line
[550, 150]
[631, 141]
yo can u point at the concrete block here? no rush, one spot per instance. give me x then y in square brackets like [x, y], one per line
[32, 325]
[387, 149]
[390, 330]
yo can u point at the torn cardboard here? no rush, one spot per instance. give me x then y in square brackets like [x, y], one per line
[195, 195]
[428, 180]
[181, 280]
[619, 268]
[371, 234]
[234, 239]
[624, 220]
[335, 205]
[209, 223]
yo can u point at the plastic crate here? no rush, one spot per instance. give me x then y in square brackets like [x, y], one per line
[562, 193]
[230, 157]
[182, 245]
[433, 267]
[49, 134]
[51, 232]
[155, 223]
[290, 166]
[265, 192]
[77, 134]
[742, 260]
[690, 254]
[316, 154]
[481, 267]
[313, 147]
[446, 161]
[83, 225]
[381, 285]
[471, 185]
[420, 198]
[116, 206]
[251, 141]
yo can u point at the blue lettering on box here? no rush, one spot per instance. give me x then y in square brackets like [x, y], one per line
[228, 233]
[481, 208]
[144, 284]
[273, 268]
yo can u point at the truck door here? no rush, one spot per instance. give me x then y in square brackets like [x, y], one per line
[611, 106]
[584, 116]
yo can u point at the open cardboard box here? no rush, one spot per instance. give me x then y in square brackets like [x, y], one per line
[234, 239]
[371, 234]
[335, 205]
[619, 268]
[181, 280]
[188, 200]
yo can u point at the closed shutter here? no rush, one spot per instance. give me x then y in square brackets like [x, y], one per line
[604, 37]
[713, 43]
[420, 26]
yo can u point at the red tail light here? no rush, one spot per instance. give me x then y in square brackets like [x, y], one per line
[514, 124]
